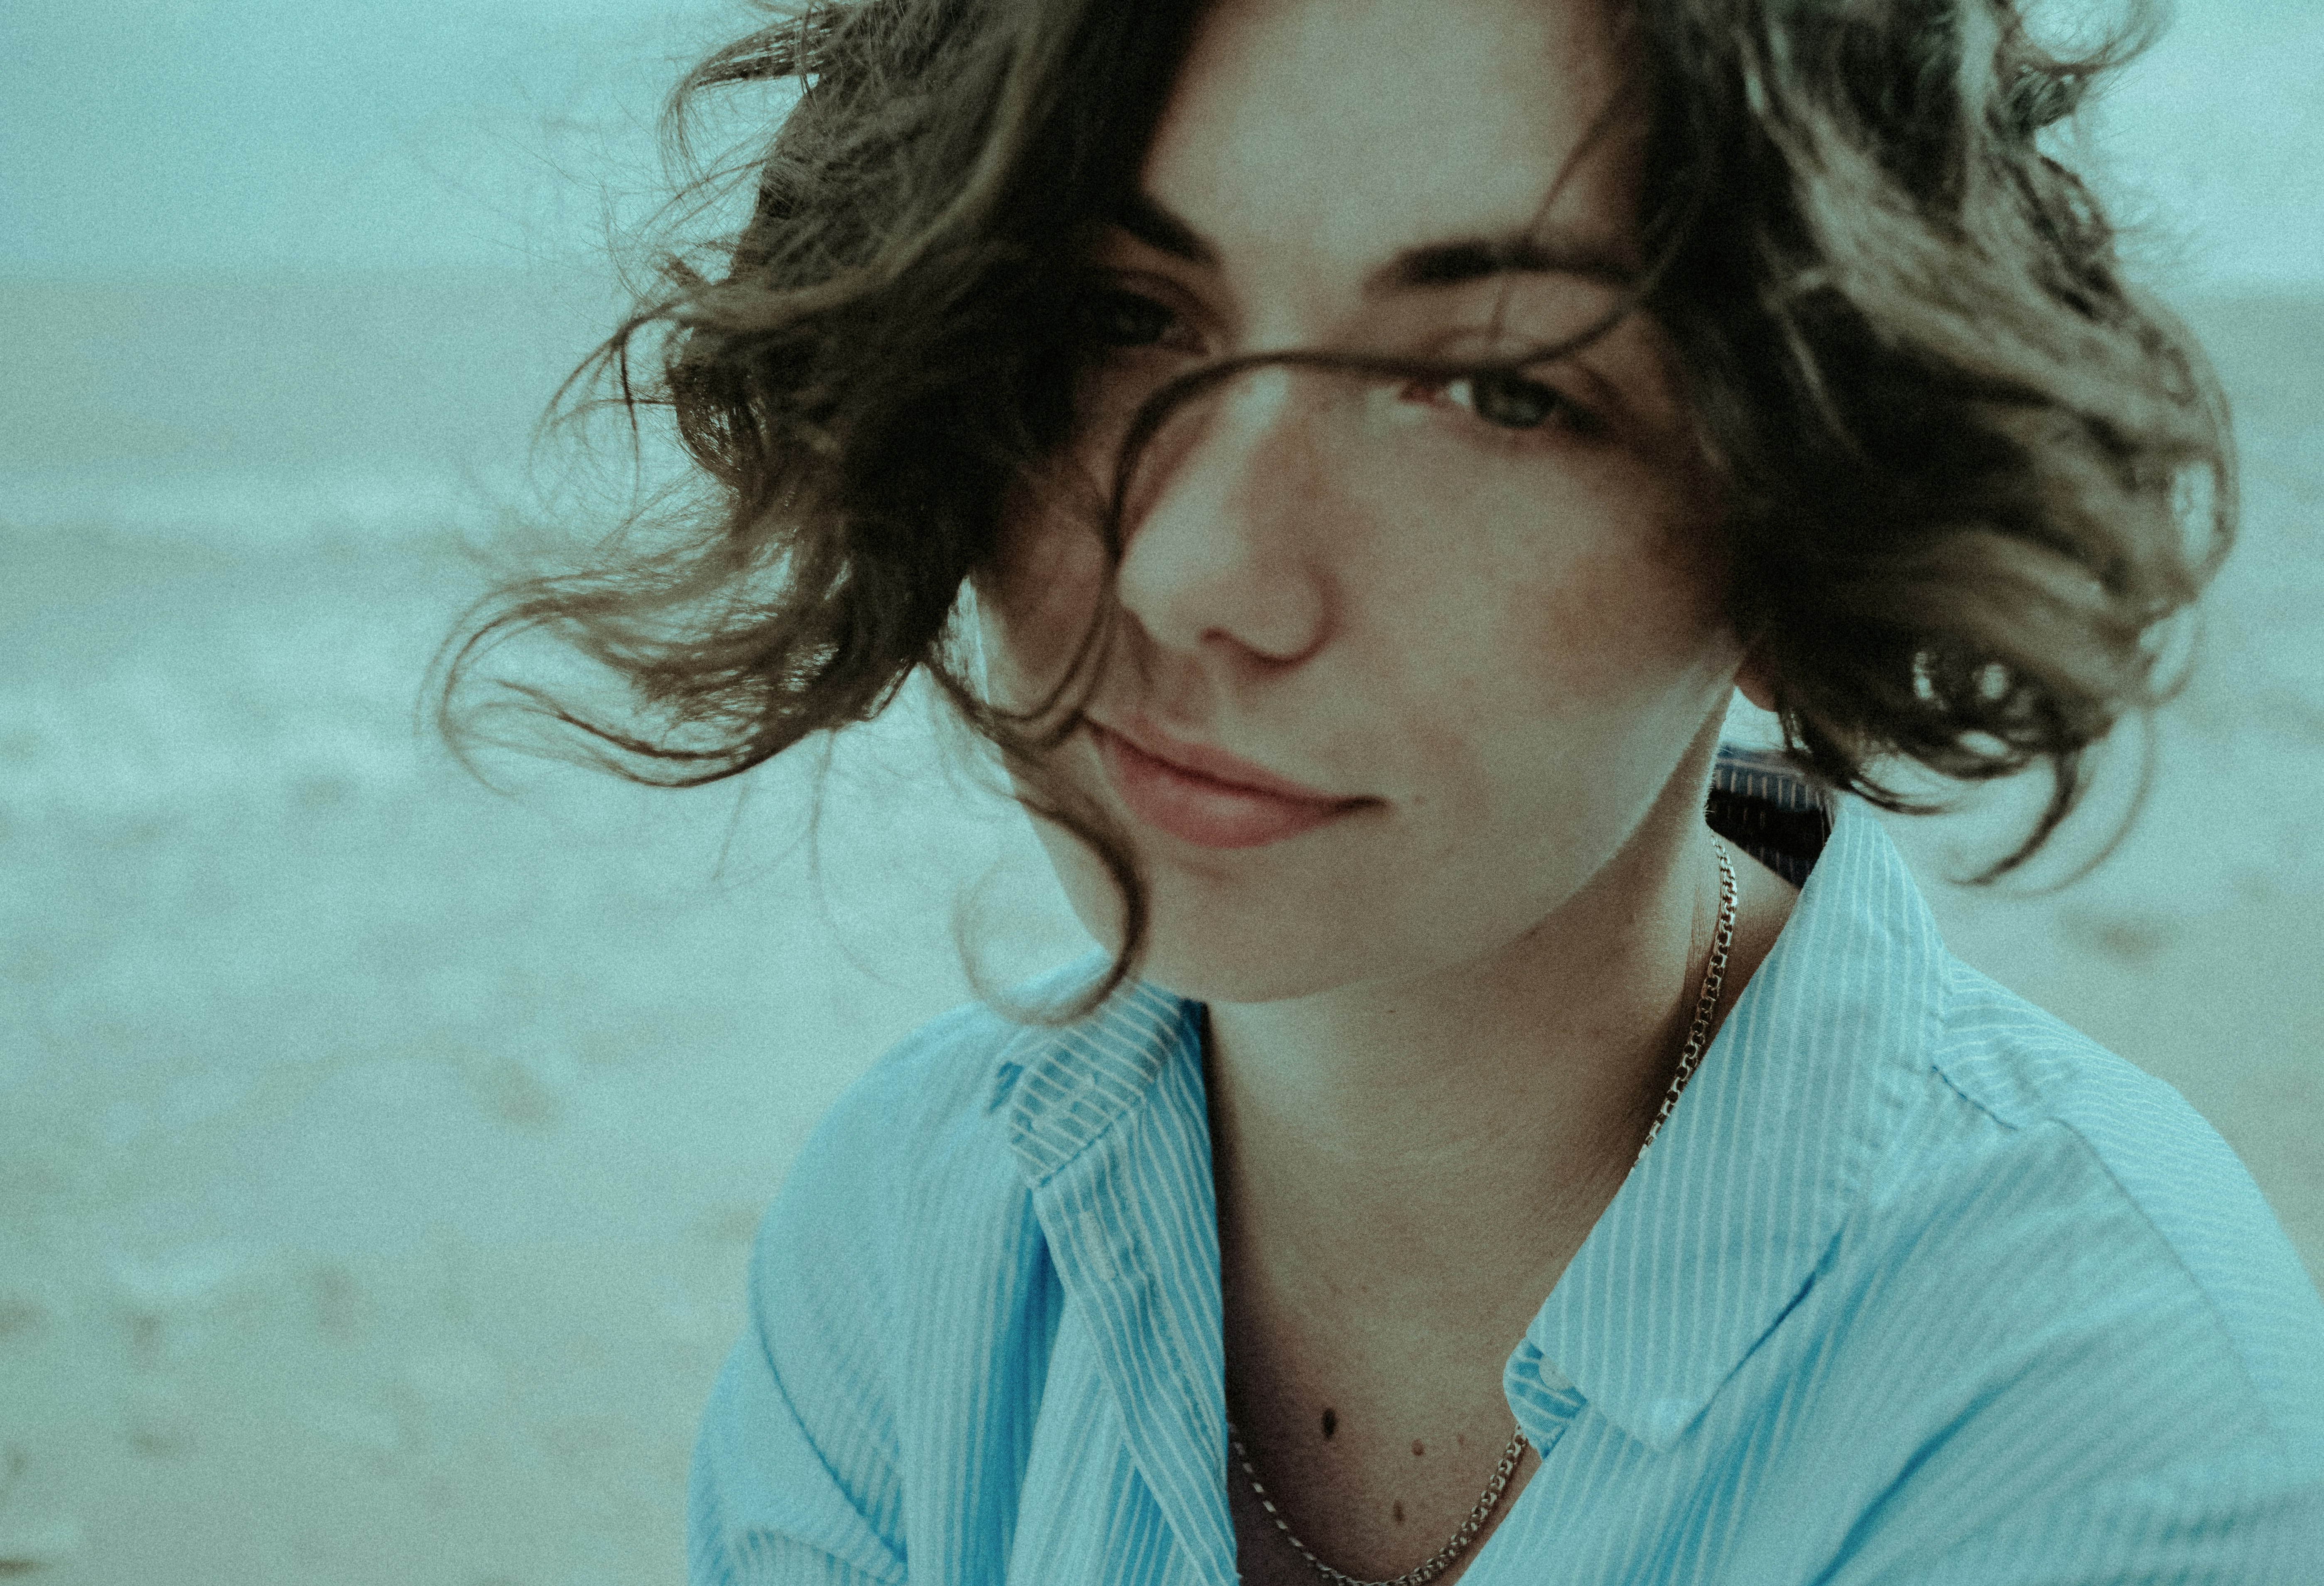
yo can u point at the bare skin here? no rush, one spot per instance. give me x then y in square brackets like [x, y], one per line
[1371, 1298]
[1439, 1022]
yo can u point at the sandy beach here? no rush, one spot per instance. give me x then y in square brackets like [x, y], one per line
[378, 1153]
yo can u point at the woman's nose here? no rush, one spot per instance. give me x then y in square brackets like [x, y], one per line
[1222, 552]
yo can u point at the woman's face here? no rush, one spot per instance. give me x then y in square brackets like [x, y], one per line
[1481, 621]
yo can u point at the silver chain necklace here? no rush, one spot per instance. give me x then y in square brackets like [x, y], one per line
[1689, 1059]
[1705, 1005]
[1445, 1556]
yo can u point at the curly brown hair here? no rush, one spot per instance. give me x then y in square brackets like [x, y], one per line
[1975, 474]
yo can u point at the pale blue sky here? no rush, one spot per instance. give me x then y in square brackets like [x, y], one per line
[143, 137]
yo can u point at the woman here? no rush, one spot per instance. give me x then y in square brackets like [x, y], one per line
[1367, 442]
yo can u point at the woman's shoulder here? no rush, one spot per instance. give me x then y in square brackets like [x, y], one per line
[2029, 1077]
[928, 1118]
[896, 1260]
[2008, 1157]
[2058, 1321]
[2082, 1197]
[924, 1085]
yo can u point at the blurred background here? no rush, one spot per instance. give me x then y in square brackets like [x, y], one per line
[378, 1154]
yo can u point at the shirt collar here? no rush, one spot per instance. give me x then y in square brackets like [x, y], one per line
[1719, 1228]
[1705, 1247]
[1066, 1087]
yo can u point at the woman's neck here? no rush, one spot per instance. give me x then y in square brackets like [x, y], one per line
[1439, 1145]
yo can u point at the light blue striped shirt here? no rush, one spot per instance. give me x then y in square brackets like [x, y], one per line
[1917, 1286]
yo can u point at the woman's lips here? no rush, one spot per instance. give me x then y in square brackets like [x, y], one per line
[1201, 809]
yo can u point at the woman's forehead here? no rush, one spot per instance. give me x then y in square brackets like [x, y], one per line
[1325, 137]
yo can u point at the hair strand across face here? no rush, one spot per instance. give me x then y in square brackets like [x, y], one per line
[1976, 479]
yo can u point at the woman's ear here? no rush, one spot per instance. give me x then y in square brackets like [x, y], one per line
[1754, 683]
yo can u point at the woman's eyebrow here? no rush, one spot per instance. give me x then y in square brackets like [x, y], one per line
[1544, 249]
[1148, 219]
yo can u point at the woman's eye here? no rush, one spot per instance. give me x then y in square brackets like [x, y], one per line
[1126, 320]
[1510, 401]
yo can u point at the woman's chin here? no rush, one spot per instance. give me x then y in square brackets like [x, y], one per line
[1203, 975]
[1213, 954]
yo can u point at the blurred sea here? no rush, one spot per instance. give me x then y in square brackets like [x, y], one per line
[378, 1154]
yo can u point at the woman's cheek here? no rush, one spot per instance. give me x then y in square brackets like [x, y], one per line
[1633, 602]
[1594, 629]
